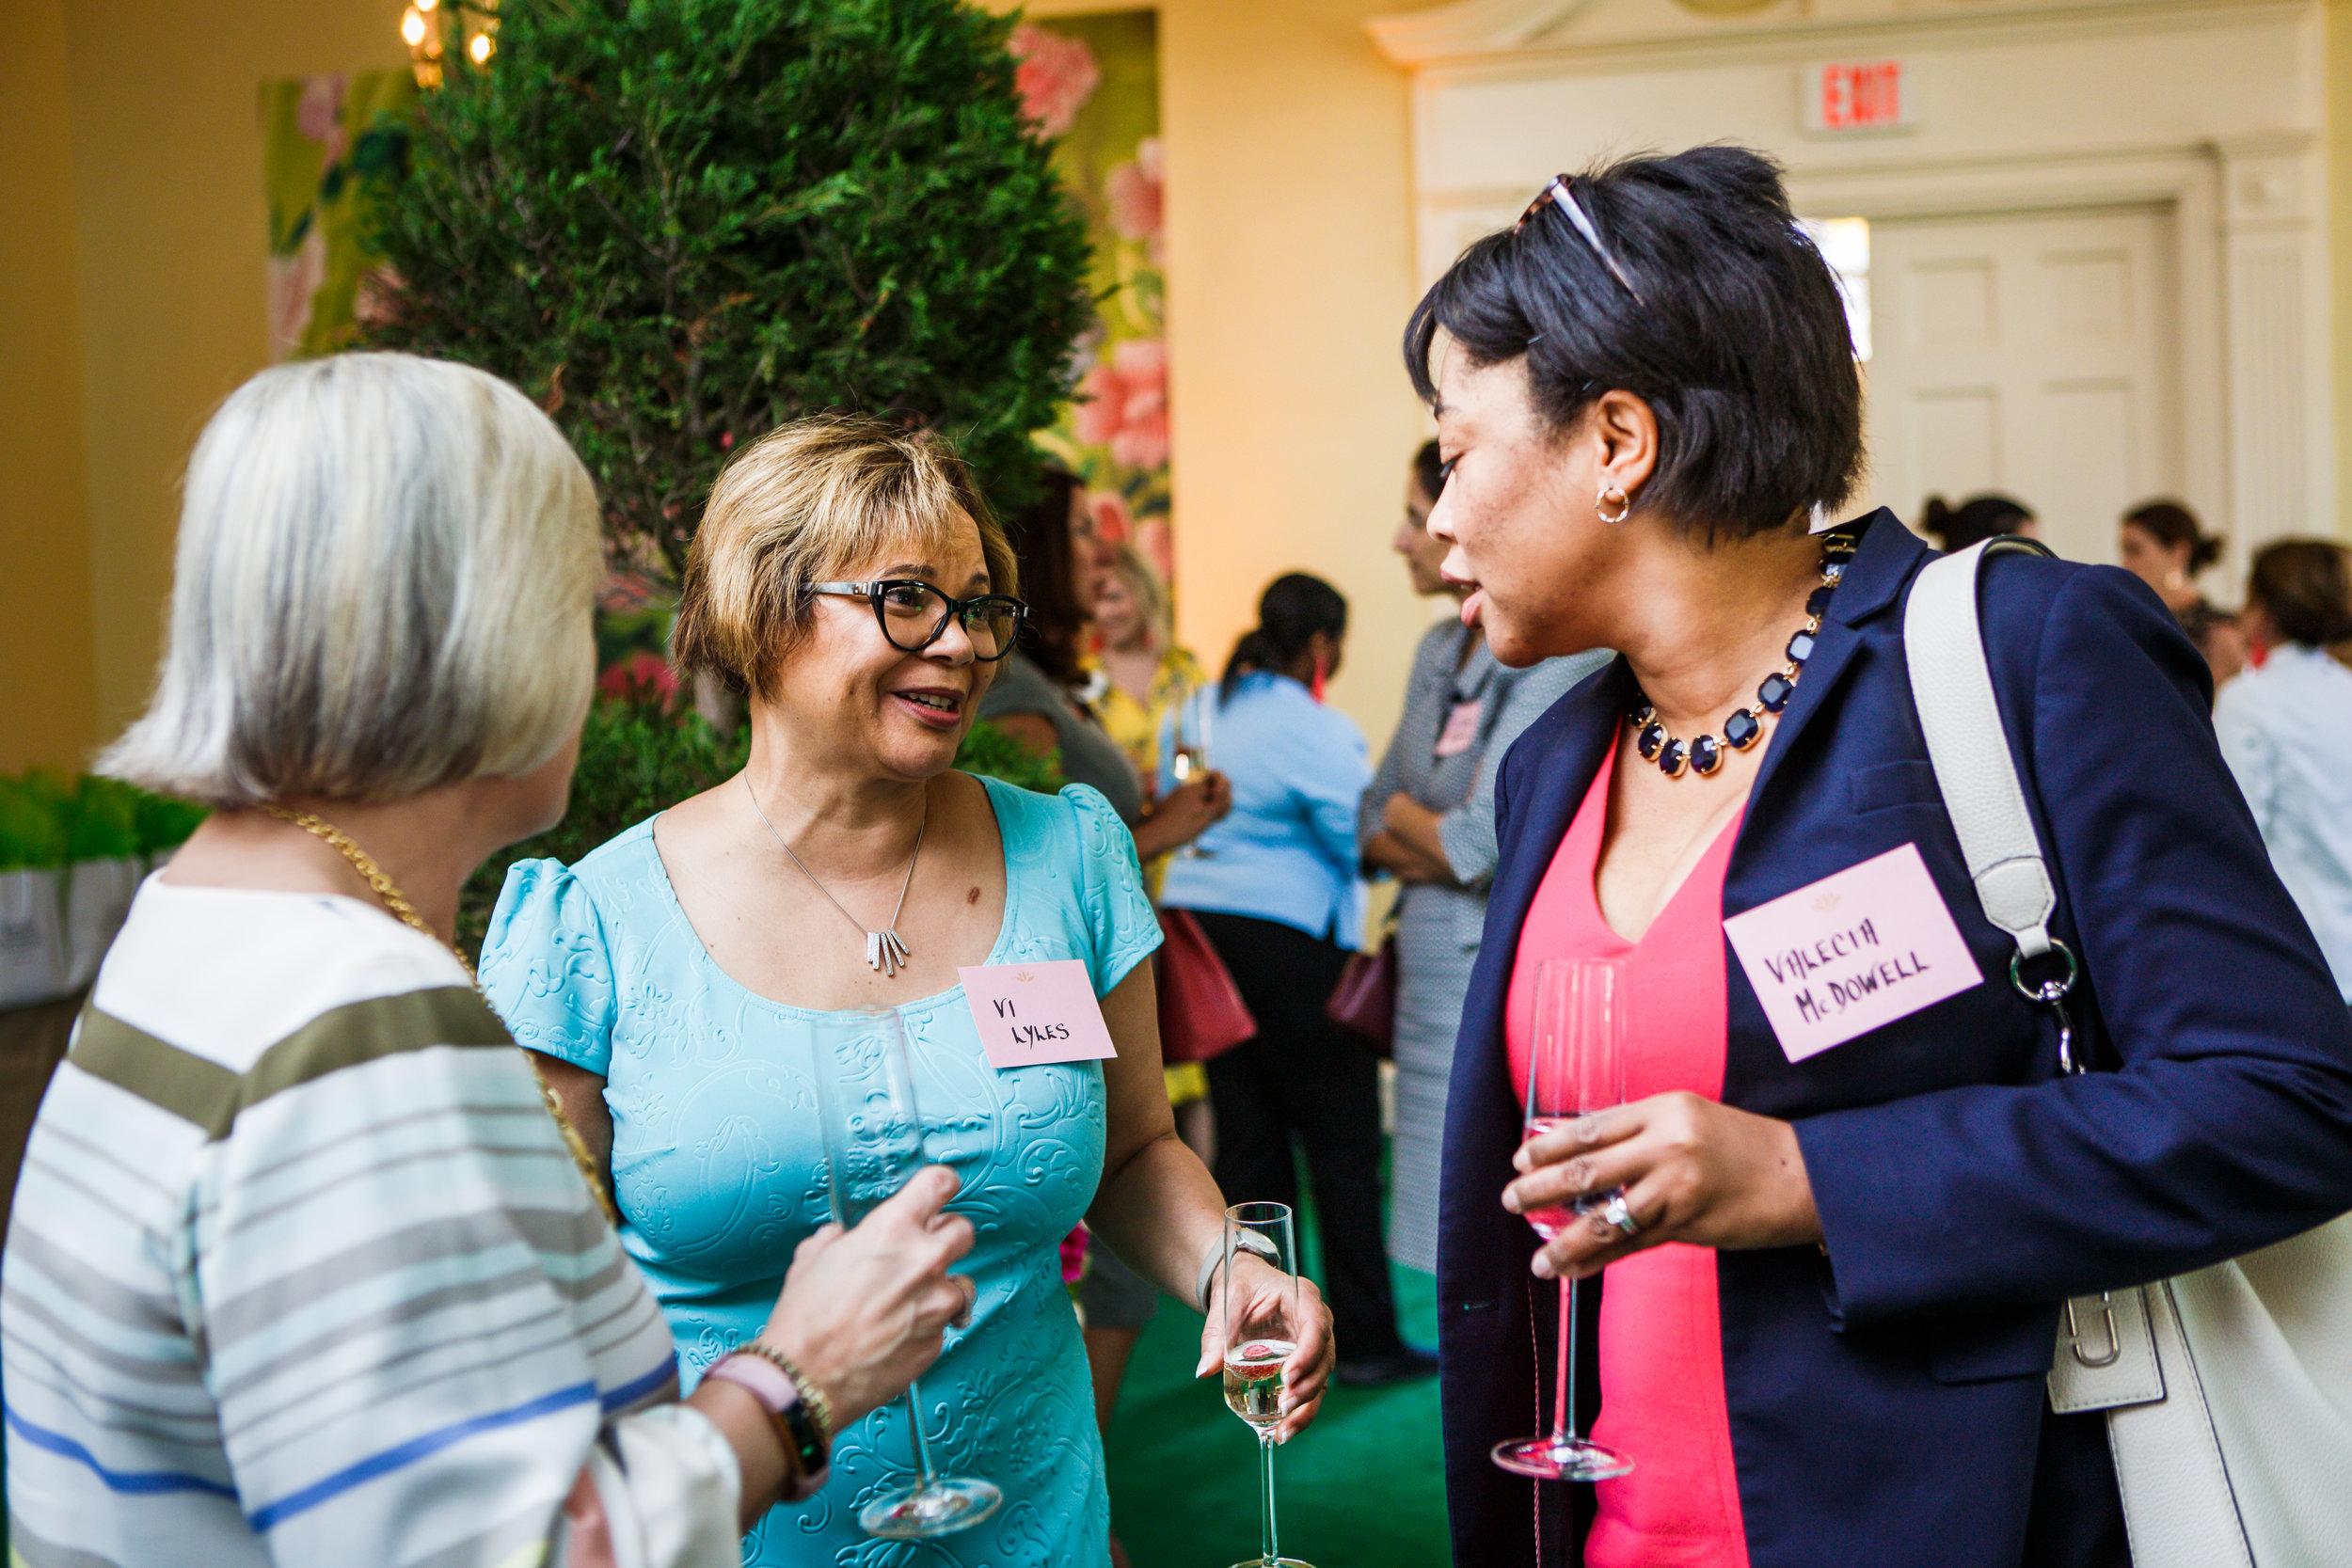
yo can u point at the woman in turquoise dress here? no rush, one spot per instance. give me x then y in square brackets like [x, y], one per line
[672, 979]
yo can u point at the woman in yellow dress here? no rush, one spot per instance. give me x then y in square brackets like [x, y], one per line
[1135, 675]
[1137, 672]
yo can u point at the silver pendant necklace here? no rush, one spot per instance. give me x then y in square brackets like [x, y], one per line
[885, 953]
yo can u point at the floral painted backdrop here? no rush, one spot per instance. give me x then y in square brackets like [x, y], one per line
[327, 144]
[1094, 82]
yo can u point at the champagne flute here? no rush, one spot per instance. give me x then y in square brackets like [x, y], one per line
[1575, 1066]
[1190, 758]
[1261, 1336]
[873, 1136]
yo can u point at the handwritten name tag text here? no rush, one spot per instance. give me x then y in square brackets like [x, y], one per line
[1030, 1014]
[1851, 952]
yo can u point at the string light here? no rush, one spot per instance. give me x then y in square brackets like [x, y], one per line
[427, 26]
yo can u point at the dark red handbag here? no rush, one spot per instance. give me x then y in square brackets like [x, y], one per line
[1202, 1012]
[1365, 998]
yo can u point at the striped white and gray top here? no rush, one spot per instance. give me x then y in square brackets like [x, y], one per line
[301, 1271]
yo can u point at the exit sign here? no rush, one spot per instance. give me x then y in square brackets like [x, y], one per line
[1858, 95]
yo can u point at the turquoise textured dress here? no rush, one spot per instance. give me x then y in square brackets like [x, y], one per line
[717, 1164]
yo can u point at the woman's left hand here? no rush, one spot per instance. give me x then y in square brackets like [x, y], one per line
[1692, 1170]
[1307, 1375]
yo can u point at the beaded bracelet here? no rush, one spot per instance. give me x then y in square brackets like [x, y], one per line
[803, 1421]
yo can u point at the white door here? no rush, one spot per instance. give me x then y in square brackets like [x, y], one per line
[2036, 355]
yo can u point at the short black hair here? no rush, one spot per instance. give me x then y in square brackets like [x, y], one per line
[1429, 470]
[1739, 341]
[1974, 520]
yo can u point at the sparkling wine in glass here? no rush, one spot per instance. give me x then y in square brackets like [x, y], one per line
[1261, 1336]
[1575, 1066]
[1189, 757]
[873, 1135]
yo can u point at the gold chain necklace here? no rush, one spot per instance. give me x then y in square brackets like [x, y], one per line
[406, 913]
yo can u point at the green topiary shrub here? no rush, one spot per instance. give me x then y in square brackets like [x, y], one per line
[680, 223]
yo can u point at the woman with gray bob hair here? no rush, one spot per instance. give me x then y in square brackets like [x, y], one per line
[385, 571]
[302, 1270]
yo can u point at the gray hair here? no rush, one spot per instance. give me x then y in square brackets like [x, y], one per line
[384, 581]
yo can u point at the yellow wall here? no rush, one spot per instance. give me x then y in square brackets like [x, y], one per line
[48, 692]
[131, 302]
[1289, 278]
[173, 244]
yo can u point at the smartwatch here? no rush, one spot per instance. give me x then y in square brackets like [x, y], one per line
[799, 1421]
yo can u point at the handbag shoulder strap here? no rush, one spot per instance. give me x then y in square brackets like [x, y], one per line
[1952, 689]
[1952, 686]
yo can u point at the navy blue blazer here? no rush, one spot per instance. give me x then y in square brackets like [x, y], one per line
[1886, 1395]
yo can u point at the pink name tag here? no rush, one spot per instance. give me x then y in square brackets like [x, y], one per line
[1033, 1013]
[1461, 728]
[1851, 952]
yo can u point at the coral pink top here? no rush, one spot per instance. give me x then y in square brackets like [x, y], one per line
[1662, 1354]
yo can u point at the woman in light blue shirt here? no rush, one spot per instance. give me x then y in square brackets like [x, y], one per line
[1274, 886]
[2286, 729]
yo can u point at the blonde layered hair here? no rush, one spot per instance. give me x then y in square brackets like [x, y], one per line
[384, 583]
[1134, 568]
[806, 503]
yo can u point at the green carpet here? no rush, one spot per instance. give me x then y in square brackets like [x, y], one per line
[1361, 1488]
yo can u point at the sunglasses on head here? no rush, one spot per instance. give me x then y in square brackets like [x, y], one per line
[1557, 194]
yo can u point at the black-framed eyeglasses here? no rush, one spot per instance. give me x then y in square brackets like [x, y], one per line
[912, 614]
[1558, 194]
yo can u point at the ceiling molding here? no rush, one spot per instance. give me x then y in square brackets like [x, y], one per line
[1510, 35]
[1466, 28]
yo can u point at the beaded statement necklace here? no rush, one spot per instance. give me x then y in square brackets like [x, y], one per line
[406, 913]
[1704, 754]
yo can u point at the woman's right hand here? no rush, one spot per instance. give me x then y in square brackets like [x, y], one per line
[864, 1311]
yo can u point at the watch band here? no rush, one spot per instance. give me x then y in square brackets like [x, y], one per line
[1248, 1241]
[785, 1396]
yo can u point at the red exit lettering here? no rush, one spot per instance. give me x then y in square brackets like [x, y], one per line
[1856, 97]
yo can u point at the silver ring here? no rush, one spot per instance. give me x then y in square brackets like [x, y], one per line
[1616, 1214]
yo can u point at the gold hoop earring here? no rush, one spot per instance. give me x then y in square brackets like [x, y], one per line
[1601, 503]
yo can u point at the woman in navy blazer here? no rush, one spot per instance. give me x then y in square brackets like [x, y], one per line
[1642, 393]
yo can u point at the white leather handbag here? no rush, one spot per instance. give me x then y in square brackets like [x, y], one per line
[2228, 1391]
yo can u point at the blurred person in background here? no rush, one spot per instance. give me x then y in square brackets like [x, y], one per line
[2286, 731]
[1143, 672]
[1974, 520]
[1035, 699]
[1275, 889]
[1429, 821]
[1138, 675]
[848, 579]
[302, 1270]
[2161, 544]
